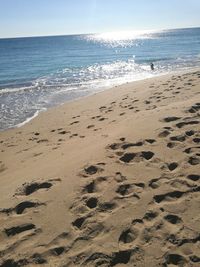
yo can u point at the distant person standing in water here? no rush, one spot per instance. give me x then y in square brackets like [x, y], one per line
[152, 66]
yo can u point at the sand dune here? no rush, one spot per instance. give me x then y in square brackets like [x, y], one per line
[108, 180]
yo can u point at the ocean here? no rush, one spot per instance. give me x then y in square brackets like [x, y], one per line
[37, 73]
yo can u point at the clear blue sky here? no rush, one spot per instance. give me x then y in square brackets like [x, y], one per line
[57, 17]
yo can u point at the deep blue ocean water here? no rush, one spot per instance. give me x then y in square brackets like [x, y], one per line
[40, 72]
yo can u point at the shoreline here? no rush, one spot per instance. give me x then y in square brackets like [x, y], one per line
[112, 177]
[38, 112]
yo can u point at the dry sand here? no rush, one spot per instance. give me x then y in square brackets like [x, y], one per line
[108, 180]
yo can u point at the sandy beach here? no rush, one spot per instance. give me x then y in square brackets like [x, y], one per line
[108, 180]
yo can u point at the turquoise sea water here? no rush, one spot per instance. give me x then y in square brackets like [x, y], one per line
[40, 72]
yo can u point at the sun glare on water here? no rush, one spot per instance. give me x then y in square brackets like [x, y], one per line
[123, 35]
[122, 38]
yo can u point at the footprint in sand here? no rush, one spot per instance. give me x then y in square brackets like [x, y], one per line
[90, 126]
[30, 188]
[90, 188]
[22, 207]
[63, 132]
[126, 191]
[192, 150]
[171, 144]
[193, 177]
[128, 237]
[190, 133]
[107, 206]
[186, 123]
[19, 229]
[136, 157]
[164, 133]
[195, 108]
[196, 140]
[172, 166]
[173, 219]
[92, 202]
[174, 259]
[179, 138]
[42, 141]
[194, 160]
[92, 169]
[74, 122]
[116, 258]
[73, 135]
[150, 215]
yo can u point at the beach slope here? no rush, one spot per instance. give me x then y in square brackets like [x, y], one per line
[108, 180]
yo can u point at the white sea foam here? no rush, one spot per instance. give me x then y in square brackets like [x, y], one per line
[30, 118]
[13, 90]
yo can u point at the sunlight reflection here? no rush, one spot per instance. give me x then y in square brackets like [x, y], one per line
[124, 35]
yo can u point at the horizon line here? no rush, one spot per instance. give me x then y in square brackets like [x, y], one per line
[73, 34]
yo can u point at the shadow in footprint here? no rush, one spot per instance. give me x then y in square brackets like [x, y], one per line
[89, 188]
[150, 215]
[196, 140]
[92, 202]
[78, 222]
[194, 258]
[172, 166]
[147, 154]
[92, 169]
[19, 229]
[57, 251]
[171, 145]
[12, 263]
[29, 189]
[128, 157]
[169, 119]
[172, 219]
[182, 124]
[190, 133]
[128, 236]
[114, 146]
[107, 206]
[124, 189]
[194, 108]
[168, 196]
[25, 205]
[179, 138]
[120, 257]
[175, 259]
[193, 161]
[164, 133]
[38, 259]
[150, 141]
[125, 146]
[194, 177]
